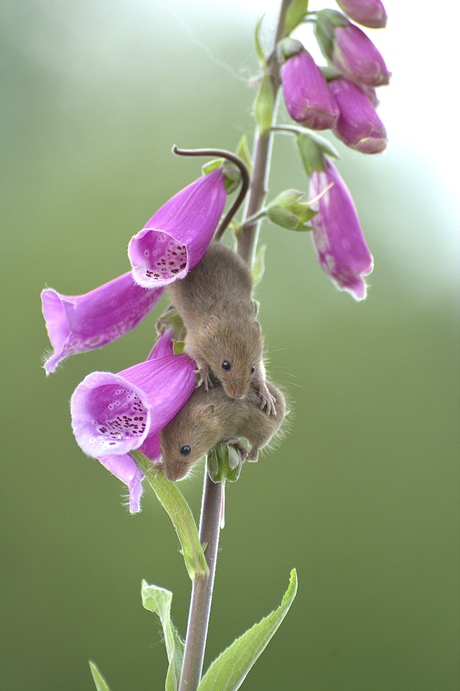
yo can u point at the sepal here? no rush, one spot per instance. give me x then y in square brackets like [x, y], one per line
[225, 461]
[289, 212]
[313, 151]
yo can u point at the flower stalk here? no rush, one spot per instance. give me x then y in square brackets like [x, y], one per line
[247, 239]
[200, 604]
[210, 521]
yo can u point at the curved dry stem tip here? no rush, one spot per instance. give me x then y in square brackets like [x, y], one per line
[229, 156]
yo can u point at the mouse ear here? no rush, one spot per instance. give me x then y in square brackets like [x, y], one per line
[210, 410]
[212, 322]
[257, 325]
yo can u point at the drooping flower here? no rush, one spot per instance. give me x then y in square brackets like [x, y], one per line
[307, 98]
[350, 49]
[76, 324]
[369, 13]
[176, 237]
[337, 236]
[113, 414]
[358, 126]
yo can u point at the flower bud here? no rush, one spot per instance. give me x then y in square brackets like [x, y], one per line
[337, 236]
[358, 126]
[307, 98]
[369, 13]
[350, 49]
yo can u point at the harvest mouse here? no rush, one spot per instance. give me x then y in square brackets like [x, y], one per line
[210, 417]
[223, 335]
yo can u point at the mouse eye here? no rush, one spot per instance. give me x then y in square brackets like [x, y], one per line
[253, 369]
[226, 365]
[185, 450]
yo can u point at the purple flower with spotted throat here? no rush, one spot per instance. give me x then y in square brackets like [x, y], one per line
[305, 91]
[176, 237]
[113, 414]
[358, 126]
[76, 324]
[337, 236]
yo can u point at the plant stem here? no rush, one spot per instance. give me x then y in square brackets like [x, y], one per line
[200, 604]
[247, 239]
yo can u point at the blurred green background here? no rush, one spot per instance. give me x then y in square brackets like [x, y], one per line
[362, 495]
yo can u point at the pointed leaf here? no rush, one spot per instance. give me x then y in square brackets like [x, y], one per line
[264, 105]
[296, 12]
[242, 150]
[180, 514]
[158, 600]
[258, 268]
[258, 43]
[99, 681]
[229, 670]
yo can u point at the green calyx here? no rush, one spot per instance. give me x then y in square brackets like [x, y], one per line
[288, 211]
[225, 461]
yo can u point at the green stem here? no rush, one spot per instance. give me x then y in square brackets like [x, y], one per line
[247, 239]
[200, 604]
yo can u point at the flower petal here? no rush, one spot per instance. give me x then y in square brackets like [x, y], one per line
[358, 126]
[114, 413]
[176, 237]
[306, 94]
[76, 324]
[337, 236]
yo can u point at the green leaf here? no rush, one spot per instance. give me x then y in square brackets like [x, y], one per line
[158, 600]
[99, 681]
[229, 670]
[211, 165]
[258, 268]
[295, 14]
[180, 514]
[171, 319]
[258, 43]
[311, 153]
[264, 105]
[242, 150]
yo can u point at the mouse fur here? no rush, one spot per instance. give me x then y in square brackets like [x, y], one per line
[210, 417]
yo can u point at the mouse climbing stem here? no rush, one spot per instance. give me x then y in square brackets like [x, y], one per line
[247, 239]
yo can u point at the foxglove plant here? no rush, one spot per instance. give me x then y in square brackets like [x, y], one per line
[117, 418]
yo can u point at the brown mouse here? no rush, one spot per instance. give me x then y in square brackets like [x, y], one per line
[222, 333]
[210, 417]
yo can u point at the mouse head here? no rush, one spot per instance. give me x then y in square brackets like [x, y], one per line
[189, 435]
[233, 350]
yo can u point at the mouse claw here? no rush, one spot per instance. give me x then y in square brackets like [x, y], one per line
[205, 379]
[266, 399]
[253, 455]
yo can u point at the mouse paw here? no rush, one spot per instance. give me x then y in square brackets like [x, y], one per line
[266, 399]
[253, 454]
[242, 450]
[205, 377]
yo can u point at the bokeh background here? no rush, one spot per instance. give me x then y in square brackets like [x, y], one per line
[362, 495]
